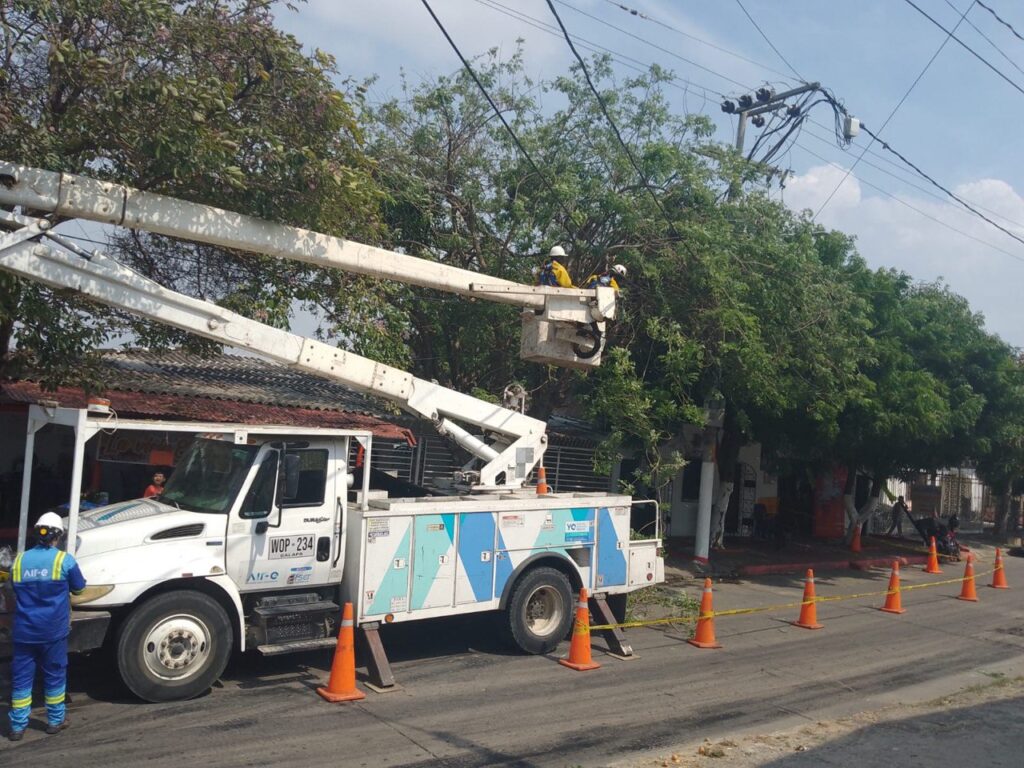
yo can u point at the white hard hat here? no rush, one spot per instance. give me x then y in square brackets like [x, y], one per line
[557, 251]
[619, 270]
[50, 520]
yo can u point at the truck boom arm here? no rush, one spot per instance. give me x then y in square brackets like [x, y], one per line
[560, 326]
[519, 440]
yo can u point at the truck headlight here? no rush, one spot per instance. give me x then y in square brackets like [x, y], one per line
[89, 594]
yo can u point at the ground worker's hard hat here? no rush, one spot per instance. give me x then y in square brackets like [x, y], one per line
[619, 270]
[48, 522]
[557, 251]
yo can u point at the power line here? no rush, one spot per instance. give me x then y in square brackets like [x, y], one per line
[498, 112]
[917, 210]
[621, 58]
[1006, 24]
[964, 45]
[608, 117]
[652, 20]
[987, 39]
[683, 85]
[908, 182]
[953, 195]
[648, 42]
[895, 109]
[777, 51]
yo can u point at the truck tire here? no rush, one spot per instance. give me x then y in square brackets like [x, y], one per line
[540, 610]
[174, 646]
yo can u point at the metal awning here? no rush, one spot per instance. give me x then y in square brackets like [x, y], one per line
[87, 424]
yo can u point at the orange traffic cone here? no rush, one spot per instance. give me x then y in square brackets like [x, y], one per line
[341, 685]
[933, 559]
[542, 482]
[808, 609]
[705, 636]
[968, 593]
[579, 648]
[855, 542]
[893, 603]
[999, 575]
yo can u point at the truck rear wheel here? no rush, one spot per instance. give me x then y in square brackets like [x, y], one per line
[540, 610]
[174, 646]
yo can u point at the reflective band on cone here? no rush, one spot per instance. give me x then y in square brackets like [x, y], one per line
[579, 647]
[341, 686]
[705, 635]
[808, 609]
[893, 603]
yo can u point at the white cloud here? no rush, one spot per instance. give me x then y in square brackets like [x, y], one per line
[890, 234]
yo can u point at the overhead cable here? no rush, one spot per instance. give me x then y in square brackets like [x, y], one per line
[501, 116]
[965, 46]
[998, 18]
[987, 39]
[914, 208]
[949, 192]
[646, 17]
[622, 31]
[895, 109]
[610, 119]
[767, 40]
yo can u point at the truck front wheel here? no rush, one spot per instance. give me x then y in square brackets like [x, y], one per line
[540, 610]
[174, 646]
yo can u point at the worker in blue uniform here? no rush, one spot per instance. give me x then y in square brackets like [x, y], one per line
[42, 577]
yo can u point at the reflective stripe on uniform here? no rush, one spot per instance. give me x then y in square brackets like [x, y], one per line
[58, 565]
[57, 698]
[16, 570]
[21, 703]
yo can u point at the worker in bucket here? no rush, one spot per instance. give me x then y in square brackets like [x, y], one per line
[610, 278]
[554, 274]
[42, 577]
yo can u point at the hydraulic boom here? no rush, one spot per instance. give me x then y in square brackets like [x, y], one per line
[560, 325]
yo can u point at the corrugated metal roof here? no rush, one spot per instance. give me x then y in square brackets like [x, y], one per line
[182, 386]
[236, 378]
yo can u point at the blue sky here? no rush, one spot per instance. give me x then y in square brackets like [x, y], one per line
[961, 123]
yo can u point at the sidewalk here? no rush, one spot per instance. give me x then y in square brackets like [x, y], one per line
[746, 557]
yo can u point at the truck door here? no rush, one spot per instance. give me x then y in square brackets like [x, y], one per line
[281, 534]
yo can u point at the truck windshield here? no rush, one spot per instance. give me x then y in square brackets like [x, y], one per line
[207, 479]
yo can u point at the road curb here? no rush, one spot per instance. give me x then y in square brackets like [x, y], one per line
[861, 564]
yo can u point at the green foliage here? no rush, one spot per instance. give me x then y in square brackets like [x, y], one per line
[201, 99]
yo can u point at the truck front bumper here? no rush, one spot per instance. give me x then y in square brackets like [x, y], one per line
[88, 631]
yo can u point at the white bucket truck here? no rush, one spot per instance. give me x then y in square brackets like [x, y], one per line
[262, 532]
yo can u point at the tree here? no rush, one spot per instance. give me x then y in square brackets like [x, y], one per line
[201, 99]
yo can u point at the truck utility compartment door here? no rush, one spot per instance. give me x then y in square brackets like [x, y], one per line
[433, 561]
[612, 543]
[386, 569]
[476, 557]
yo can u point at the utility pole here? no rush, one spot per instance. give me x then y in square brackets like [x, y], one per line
[764, 100]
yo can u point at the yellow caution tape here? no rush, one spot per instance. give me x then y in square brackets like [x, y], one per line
[782, 606]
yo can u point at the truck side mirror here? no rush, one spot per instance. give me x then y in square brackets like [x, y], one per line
[288, 481]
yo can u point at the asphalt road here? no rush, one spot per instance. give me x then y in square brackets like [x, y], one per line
[466, 701]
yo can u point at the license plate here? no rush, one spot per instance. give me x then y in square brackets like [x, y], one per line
[282, 547]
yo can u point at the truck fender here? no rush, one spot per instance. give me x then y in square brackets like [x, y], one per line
[552, 559]
[231, 591]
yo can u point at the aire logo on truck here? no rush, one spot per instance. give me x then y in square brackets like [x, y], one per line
[291, 546]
